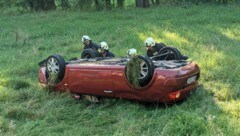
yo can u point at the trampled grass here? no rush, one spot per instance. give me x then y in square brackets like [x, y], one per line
[209, 35]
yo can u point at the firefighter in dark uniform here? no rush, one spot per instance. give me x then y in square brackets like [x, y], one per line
[153, 47]
[88, 43]
[133, 67]
[104, 50]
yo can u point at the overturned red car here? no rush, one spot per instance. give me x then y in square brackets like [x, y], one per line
[160, 81]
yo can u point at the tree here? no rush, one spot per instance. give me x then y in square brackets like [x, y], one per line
[38, 5]
[84, 4]
[108, 4]
[156, 2]
[65, 4]
[142, 3]
[120, 3]
[97, 4]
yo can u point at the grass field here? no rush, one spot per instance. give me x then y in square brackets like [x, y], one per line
[209, 35]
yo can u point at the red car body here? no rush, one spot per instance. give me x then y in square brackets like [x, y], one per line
[166, 85]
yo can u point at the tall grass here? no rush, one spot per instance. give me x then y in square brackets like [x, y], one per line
[209, 35]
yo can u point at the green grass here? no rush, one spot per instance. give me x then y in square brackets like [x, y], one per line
[209, 35]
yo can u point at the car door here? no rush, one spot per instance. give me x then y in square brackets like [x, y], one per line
[91, 80]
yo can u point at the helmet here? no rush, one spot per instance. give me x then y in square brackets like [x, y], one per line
[85, 37]
[103, 45]
[132, 52]
[149, 42]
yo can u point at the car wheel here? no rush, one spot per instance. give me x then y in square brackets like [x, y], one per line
[183, 57]
[169, 53]
[146, 70]
[139, 71]
[89, 53]
[55, 67]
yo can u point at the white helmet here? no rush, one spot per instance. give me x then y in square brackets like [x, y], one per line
[103, 45]
[149, 42]
[132, 52]
[85, 37]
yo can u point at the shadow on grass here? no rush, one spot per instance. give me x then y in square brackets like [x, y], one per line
[194, 115]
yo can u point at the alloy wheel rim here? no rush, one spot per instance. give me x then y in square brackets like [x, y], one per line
[53, 66]
[144, 69]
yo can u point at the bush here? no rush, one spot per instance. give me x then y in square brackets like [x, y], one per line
[44, 5]
[224, 1]
[84, 4]
[38, 5]
[173, 2]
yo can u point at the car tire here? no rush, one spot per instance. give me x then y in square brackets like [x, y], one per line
[171, 53]
[183, 57]
[147, 69]
[89, 53]
[55, 68]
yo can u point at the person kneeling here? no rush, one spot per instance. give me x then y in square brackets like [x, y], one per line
[88, 44]
[104, 50]
[156, 49]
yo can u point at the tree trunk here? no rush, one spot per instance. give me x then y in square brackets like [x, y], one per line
[120, 3]
[225, 1]
[142, 3]
[84, 4]
[108, 4]
[37, 5]
[97, 4]
[65, 4]
[49, 5]
[153, 2]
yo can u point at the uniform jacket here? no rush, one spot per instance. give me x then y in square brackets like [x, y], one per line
[155, 50]
[107, 54]
[91, 45]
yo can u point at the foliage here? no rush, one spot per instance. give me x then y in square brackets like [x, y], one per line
[41, 5]
[133, 71]
[99, 4]
[84, 4]
[65, 4]
[38, 5]
[224, 1]
[180, 2]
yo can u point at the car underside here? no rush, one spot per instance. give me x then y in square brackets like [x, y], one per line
[160, 81]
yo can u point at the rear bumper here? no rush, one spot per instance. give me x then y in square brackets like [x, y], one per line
[180, 94]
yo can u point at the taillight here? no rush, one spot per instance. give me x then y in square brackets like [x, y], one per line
[174, 95]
